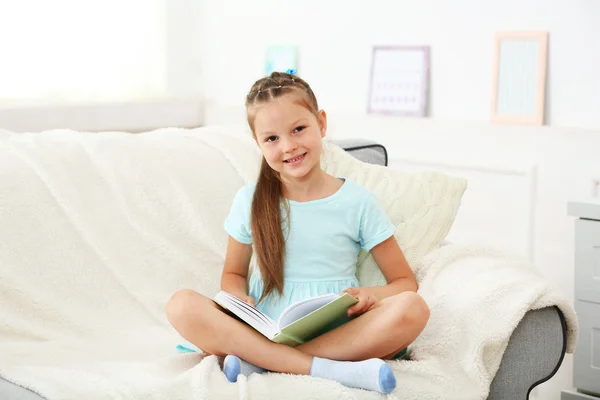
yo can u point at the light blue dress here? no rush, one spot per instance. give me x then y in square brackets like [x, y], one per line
[322, 244]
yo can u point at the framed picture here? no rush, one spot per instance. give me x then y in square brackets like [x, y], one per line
[281, 58]
[519, 78]
[399, 80]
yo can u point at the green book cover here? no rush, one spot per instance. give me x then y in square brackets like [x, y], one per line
[299, 322]
[322, 320]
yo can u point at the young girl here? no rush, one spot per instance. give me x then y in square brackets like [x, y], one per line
[306, 228]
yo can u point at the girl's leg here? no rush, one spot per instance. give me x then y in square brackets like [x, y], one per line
[381, 332]
[202, 322]
[393, 324]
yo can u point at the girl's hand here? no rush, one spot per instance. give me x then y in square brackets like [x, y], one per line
[366, 300]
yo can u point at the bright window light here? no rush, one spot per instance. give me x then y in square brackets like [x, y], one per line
[81, 51]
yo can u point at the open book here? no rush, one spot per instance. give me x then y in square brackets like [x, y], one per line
[299, 322]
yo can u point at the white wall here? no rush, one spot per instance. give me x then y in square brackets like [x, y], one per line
[520, 178]
[336, 42]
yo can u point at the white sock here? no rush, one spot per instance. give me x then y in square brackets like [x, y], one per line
[372, 374]
[234, 366]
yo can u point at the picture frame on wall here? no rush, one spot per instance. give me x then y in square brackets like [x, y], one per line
[519, 77]
[399, 82]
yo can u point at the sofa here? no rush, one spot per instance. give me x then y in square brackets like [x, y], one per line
[98, 229]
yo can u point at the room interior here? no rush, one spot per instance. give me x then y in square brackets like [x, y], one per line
[189, 64]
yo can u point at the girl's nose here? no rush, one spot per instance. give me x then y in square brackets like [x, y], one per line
[289, 145]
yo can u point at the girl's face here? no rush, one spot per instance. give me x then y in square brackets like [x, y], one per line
[289, 136]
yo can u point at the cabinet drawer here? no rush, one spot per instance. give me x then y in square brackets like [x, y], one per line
[587, 260]
[586, 360]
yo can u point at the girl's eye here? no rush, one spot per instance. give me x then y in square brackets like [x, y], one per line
[271, 139]
[299, 128]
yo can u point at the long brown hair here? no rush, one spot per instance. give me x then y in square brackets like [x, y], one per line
[266, 219]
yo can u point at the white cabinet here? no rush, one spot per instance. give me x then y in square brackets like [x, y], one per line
[586, 360]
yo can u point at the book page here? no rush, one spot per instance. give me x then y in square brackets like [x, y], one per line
[252, 316]
[301, 308]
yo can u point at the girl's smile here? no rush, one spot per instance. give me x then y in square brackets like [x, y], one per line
[293, 161]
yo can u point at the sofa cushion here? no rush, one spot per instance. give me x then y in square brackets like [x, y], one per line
[422, 205]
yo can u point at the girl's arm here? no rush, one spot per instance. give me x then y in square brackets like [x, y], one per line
[234, 279]
[395, 268]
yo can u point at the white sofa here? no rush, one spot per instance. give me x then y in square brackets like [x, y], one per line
[98, 230]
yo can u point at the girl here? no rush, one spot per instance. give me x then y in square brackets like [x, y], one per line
[306, 228]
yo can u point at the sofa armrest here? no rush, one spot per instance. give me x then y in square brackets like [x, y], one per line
[534, 353]
[365, 150]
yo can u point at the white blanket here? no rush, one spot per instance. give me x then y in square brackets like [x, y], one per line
[97, 231]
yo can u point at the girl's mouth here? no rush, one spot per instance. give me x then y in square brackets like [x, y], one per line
[295, 160]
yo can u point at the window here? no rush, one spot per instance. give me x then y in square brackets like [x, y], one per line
[56, 52]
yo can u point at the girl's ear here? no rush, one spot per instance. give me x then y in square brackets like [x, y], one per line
[322, 123]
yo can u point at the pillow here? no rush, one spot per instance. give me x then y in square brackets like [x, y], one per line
[422, 206]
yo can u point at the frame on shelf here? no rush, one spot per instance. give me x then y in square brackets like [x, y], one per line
[519, 77]
[399, 80]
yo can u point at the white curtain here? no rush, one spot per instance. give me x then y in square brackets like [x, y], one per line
[81, 51]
